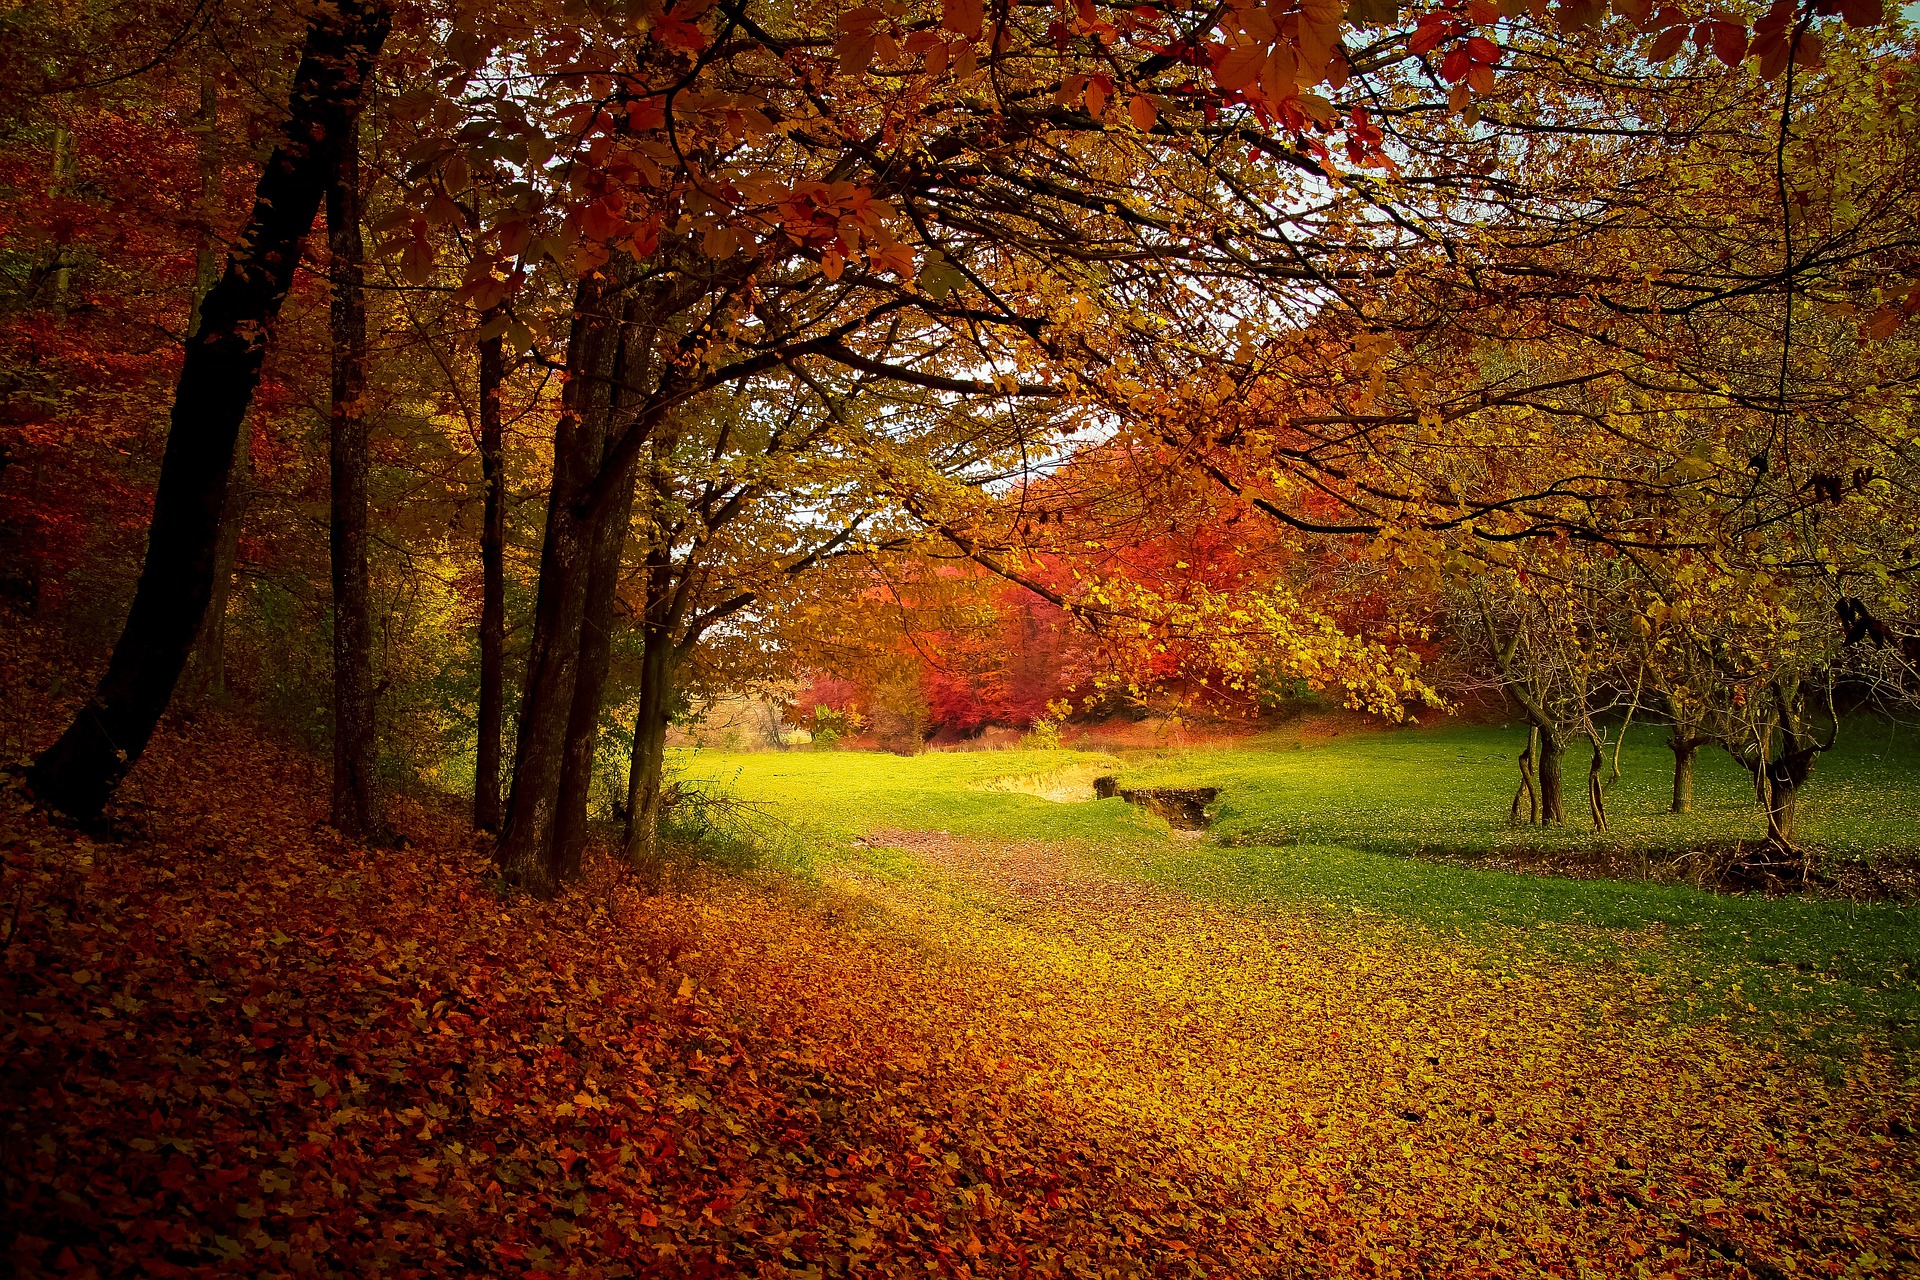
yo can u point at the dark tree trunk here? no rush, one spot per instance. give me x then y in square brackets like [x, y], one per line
[589, 690]
[1596, 789]
[493, 604]
[79, 773]
[1783, 804]
[206, 675]
[355, 805]
[1779, 776]
[553, 657]
[1527, 787]
[1553, 807]
[1685, 752]
[1785, 775]
[62, 268]
[206, 261]
[647, 775]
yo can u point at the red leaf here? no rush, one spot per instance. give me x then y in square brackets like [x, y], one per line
[1729, 42]
[1666, 44]
[1428, 35]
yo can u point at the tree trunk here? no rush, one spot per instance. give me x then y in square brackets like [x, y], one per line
[589, 690]
[647, 776]
[1782, 805]
[1527, 787]
[1552, 806]
[355, 746]
[63, 166]
[78, 774]
[206, 675]
[1596, 790]
[526, 848]
[1781, 783]
[206, 262]
[493, 605]
[1685, 751]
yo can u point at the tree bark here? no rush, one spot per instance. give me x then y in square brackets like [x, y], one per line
[596, 656]
[526, 849]
[1685, 752]
[1527, 787]
[493, 605]
[208, 671]
[206, 675]
[1553, 808]
[356, 808]
[63, 166]
[79, 773]
[206, 263]
[647, 776]
[1782, 805]
[1596, 790]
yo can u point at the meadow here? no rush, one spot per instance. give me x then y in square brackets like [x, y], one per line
[1410, 829]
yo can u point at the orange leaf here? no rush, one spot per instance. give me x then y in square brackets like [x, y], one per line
[1143, 111]
[1097, 96]
[855, 51]
[1578, 15]
[962, 17]
[1240, 68]
[1882, 323]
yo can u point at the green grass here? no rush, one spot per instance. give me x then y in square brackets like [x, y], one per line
[1819, 973]
[1448, 790]
[832, 797]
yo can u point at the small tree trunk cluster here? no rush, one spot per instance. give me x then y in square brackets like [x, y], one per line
[79, 773]
[596, 656]
[544, 830]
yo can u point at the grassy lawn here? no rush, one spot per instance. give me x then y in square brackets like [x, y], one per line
[1323, 831]
[1447, 790]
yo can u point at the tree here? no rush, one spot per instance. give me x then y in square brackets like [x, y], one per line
[487, 809]
[356, 809]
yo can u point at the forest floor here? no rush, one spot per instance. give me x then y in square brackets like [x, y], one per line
[232, 1043]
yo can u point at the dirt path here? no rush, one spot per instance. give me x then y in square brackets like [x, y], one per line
[1407, 1105]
